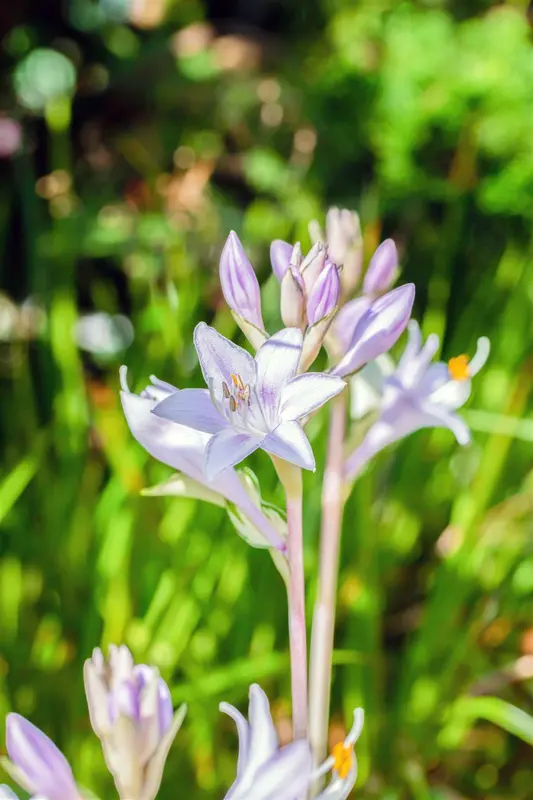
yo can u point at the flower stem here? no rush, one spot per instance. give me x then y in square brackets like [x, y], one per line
[291, 478]
[324, 612]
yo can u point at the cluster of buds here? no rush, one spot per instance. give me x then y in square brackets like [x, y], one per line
[131, 713]
[314, 287]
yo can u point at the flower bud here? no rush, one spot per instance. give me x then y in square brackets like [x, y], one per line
[292, 302]
[36, 763]
[324, 295]
[239, 283]
[280, 257]
[382, 269]
[313, 264]
[378, 329]
[131, 713]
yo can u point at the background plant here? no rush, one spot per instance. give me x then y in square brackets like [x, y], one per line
[149, 133]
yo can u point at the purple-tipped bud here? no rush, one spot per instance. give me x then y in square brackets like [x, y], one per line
[280, 257]
[313, 264]
[239, 282]
[292, 303]
[42, 769]
[324, 294]
[378, 329]
[382, 269]
[131, 712]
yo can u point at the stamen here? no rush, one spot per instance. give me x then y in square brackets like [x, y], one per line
[237, 380]
[459, 368]
[232, 404]
[225, 390]
[343, 759]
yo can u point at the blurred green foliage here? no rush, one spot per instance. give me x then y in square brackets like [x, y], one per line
[149, 131]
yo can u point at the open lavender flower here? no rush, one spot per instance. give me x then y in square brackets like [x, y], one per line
[185, 449]
[267, 772]
[6, 793]
[251, 402]
[131, 713]
[264, 770]
[366, 330]
[419, 394]
[36, 764]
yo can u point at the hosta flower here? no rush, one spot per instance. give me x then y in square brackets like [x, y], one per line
[6, 793]
[376, 327]
[131, 713]
[36, 764]
[420, 394]
[251, 402]
[184, 449]
[266, 771]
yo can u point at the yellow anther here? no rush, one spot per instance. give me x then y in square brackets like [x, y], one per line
[458, 368]
[237, 380]
[343, 759]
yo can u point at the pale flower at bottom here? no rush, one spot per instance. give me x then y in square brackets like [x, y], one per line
[266, 771]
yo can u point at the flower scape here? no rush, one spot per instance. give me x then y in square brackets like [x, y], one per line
[261, 398]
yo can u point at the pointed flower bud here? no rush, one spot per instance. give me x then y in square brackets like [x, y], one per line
[324, 295]
[35, 763]
[239, 282]
[382, 269]
[293, 299]
[280, 257]
[378, 329]
[313, 264]
[345, 244]
[131, 713]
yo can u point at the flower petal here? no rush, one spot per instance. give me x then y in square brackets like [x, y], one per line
[44, 766]
[179, 447]
[290, 443]
[277, 362]
[378, 329]
[227, 448]
[220, 359]
[345, 322]
[263, 737]
[481, 355]
[6, 793]
[307, 392]
[382, 268]
[243, 732]
[192, 408]
[287, 775]
[280, 257]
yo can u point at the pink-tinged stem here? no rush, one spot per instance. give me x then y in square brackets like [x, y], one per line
[324, 612]
[291, 478]
[296, 597]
